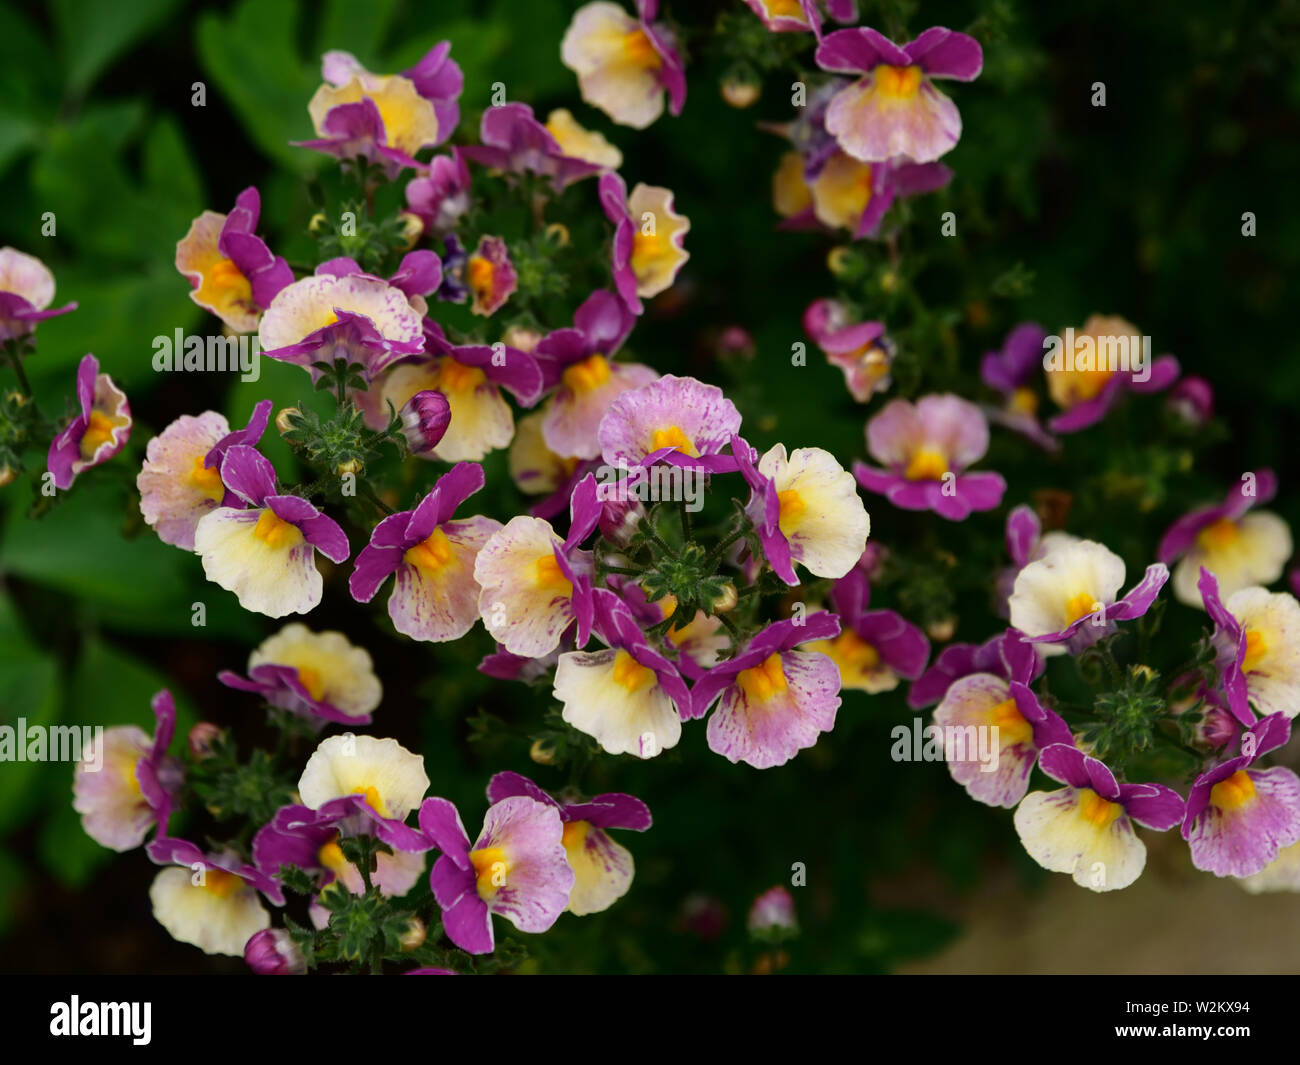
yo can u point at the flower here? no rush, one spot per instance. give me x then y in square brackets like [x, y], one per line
[534, 467]
[517, 868]
[578, 362]
[26, 290]
[425, 418]
[491, 276]
[515, 142]
[775, 699]
[602, 869]
[1257, 648]
[1007, 655]
[95, 435]
[365, 785]
[624, 64]
[873, 648]
[431, 557]
[1086, 828]
[385, 119]
[230, 269]
[317, 675]
[209, 900]
[1084, 386]
[1019, 724]
[1239, 819]
[893, 108]
[788, 16]
[806, 509]
[1075, 584]
[926, 448]
[1281, 874]
[1026, 542]
[860, 350]
[628, 697]
[846, 193]
[440, 196]
[1191, 401]
[264, 554]
[677, 420]
[272, 952]
[579, 143]
[772, 916]
[180, 480]
[649, 236]
[128, 783]
[354, 317]
[1238, 547]
[1009, 372]
[535, 585]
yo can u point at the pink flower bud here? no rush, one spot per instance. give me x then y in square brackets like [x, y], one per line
[271, 952]
[424, 421]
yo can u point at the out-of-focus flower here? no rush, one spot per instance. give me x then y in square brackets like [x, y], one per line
[772, 916]
[893, 109]
[440, 196]
[490, 275]
[649, 236]
[580, 143]
[1238, 547]
[788, 16]
[1007, 656]
[624, 64]
[95, 435]
[515, 142]
[26, 291]
[861, 350]
[926, 448]
[1191, 400]
[874, 648]
[318, 675]
[1009, 372]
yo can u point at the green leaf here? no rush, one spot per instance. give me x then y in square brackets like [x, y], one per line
[92, 33]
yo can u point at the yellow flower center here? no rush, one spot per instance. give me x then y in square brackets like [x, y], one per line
[275, 532]
[575, 835]
[853, 654]
[207, 481]
[792, 506]
[1023, 401]
[898, 82]
[1096, 810]
[371, 794]
[455, 376]
[311, 680]
[490, 870]
[673, 437]
[99, 431]
[226, 278]
[763, 681]
[480, 273]
[1256, 649]
[630, 674]
[1081, 605]
[639, 50]
[588, 375]
[431, 555]
[1234, 792]
[331, 857]
[221, 883]
[785, 9]
[926, 464]
[547, 574]
[1010, 723]
[1218, 535]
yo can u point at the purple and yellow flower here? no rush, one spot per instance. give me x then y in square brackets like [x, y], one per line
[578, 362]
[677, 420]
[874, 648]
[209, 900]
[893, 109]
[1239, 819]
[1026, 542]
[518, 868]
[431, 558]
[925, 448]
[1086, 828]
[355, 317]
[180, 480]
[95, 435]
[649, 238]
[319, 676]
[776, 699]
[265, 552]
[515, 142]
[363, 785]
[628, 697]
[602, 869]
[128, 783]
[26, 291]
[861, 350]
[1281, 874]
[1086, 392]
[490, 275]
[1070, 596]
[1240, 548]
[385, 119]
[806, 508]
[579, 143]
[440, 196]
[230, 269]
[471, 377]
[533, 584]
[1257, 648]
[1009, 372]
[625, 64]
[1007, 656]
[1020, 727]
[534, 467]
[788, 16]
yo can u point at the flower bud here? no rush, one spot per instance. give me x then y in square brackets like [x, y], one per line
[772, 917]
[619, 519]
[839, 260]
[517, 336]
[271, 952]
[317, 224]
[412, 229]
[424, 421]
[557, 233]
[414, 935]
[542, 752]
[736, 343]
[203, 740]
[727, 600]
[941, 631]
[1192, 401]
[7, 475]
[352, 466]
[284, 420]
[740, 93]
